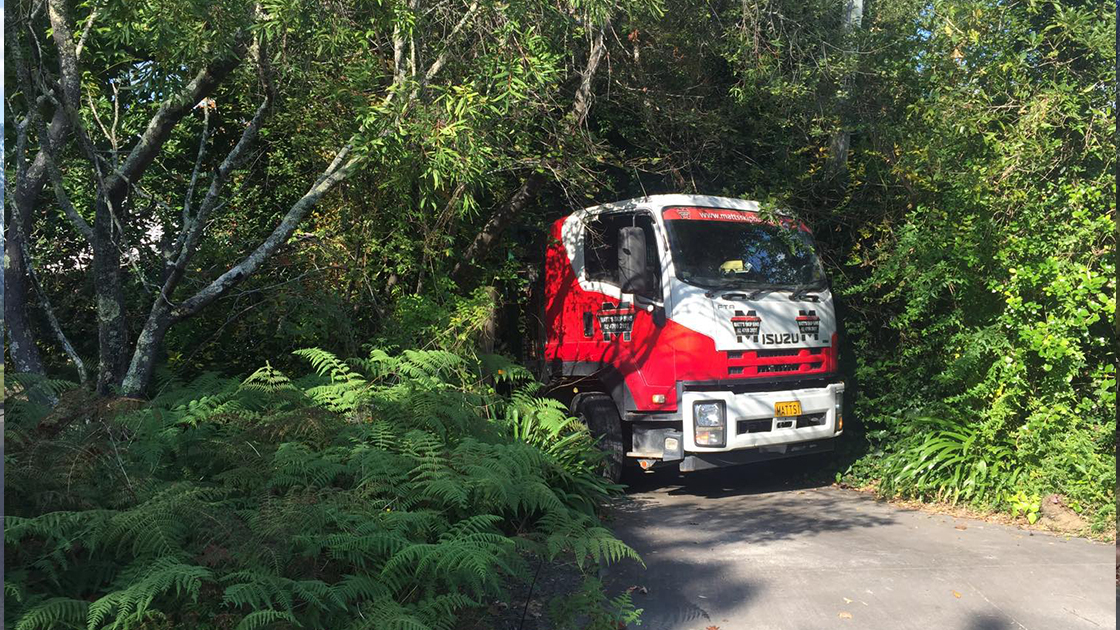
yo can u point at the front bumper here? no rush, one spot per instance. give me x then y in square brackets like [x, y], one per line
[750, 422]
[701, 461]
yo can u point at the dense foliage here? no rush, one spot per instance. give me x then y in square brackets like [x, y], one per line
[988, 366]
[393, 491]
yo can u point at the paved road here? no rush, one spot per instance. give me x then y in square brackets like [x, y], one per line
[742, 549]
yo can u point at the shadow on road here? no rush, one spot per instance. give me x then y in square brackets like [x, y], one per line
[772, 545]
[795, 473]
[695, 531]
[989, 622]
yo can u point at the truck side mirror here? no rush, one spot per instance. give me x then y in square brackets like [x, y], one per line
[634, 274]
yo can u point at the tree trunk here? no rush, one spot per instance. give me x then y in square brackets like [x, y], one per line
[488, 335]
[113, 191]
[143, 362]
[17, 288]
[841, 141]
[493, 228]
[111, 335]
[21, 340]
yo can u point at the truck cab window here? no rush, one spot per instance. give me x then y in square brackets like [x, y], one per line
[600, 247]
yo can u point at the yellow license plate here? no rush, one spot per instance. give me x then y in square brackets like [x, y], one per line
[782, 409]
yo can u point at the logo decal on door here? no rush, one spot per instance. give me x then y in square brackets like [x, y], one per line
[616, 321]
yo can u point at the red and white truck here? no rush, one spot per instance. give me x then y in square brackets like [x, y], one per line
[693, 331]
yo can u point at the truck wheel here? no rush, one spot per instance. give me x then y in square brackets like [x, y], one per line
[598, 412]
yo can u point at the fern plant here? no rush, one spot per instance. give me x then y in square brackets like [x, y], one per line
[391, 491]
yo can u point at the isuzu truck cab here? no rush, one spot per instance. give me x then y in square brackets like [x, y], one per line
[692, 331]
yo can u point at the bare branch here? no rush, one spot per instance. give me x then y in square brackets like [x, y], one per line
[192, 227]
[342, 154]
[44, 301]
[160, 318]
[493, 228]
[31, 176]
[111, 137]
[184, 226]
[525, 193]
[335, 173]
[23, 127]
[582, 103]
[71, 86]
[85, 32]
[49, 156]
[60, 194]
[116, 123]
[437, 65]
[67, 56]
[170, 112]
[20, 156]
[413, 5]
[398, 55]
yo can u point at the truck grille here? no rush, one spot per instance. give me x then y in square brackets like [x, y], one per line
[777, 361]
[789, 352]
[789, 367]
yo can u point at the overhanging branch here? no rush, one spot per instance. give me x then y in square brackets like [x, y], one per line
[531, 185]
[338, 170]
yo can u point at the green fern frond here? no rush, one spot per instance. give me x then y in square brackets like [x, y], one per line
[262, 618]
[388, 614]
[29, 397]
[56, 612]
[14, 589]
[142, 585]
[328, 365]
[357, 588]
[157, 526]
[296, 464]
[23, 384]
[269, 380]
[442, 611]
[365, 550]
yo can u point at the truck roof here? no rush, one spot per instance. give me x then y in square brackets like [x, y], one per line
[708, 201]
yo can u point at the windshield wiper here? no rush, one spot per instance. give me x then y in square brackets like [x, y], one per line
[746, 293]
[799, 293]
[803, 292]
[752, 290]
[713, 288]
[749, 290]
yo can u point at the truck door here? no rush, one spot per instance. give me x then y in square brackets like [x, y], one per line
[609, 321]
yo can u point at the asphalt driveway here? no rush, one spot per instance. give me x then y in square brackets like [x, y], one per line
[749, 548]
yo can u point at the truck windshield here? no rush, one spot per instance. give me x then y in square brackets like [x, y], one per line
[718, 248]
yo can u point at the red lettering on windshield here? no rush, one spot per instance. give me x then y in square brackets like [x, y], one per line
[691, 213]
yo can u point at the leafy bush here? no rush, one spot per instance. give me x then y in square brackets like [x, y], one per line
[950, 461]
[987, 299]
[383, 492]
[454, 323]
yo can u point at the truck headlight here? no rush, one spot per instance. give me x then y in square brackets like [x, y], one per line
[710, 426]
[839, 411]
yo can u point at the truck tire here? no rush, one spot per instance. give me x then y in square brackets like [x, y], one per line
[598, 412]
